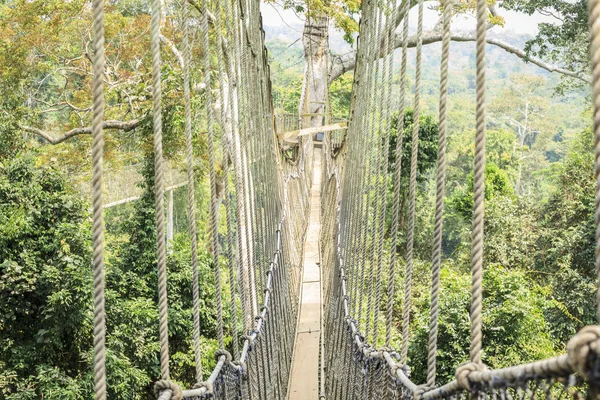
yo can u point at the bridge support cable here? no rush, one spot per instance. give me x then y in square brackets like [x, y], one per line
[97, 206]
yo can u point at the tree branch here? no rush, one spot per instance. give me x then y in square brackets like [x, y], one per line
[125, 126]
[173, 49]
[344, 63]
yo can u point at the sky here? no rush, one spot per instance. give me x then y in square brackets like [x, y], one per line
[275, 16]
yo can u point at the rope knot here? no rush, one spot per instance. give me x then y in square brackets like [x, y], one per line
[463, 372]
[222, 352]
[421, 389]
[397, 366]
[583, 351]
[250, 340]
[241, 367]
[206, 385]
[163, 384]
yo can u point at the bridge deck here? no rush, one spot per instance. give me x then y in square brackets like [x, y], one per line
[304, 381]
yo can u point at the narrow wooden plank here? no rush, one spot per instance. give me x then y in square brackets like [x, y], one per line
[304, 379]
[292, 136]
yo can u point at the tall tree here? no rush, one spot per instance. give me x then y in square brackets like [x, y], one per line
[322, 66]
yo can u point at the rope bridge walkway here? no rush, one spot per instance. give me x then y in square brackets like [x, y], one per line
[340, 347]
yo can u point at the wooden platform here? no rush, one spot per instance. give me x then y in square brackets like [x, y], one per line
[304, 380]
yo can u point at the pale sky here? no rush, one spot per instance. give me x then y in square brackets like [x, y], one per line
[517, 22]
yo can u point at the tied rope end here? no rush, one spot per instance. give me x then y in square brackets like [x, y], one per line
[162, 385]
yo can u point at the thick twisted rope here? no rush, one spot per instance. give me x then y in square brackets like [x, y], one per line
[385, 130]
[373, 130]
[213, 227]
[439, 198]
[159, 190]
[191, 189]
[397, 177]
[412, 190]
[478, 188]
[231, 260]
[594, 20]
[97, 224]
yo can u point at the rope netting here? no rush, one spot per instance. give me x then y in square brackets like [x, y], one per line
[265, 203]
[360, 362]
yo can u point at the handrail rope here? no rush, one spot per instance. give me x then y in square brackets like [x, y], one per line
[239, 364]
[227, 150]
[378, 141]
[97, 217]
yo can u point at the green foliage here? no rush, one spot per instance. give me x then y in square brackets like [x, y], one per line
[428, 130]
[45, 283]
[45, 293]
[343, 13]
[567, 241]
[132, 302]
[497, 184]
[564, 41]
[514, 328]
[340, 96]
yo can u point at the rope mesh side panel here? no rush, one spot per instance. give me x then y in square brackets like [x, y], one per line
[356, 368]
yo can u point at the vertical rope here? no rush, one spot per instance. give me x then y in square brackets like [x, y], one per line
[191, 189]
[412, 189]
[439, 198]
[478, 189]
[594, 20]
[385, 128]
[397, 177]
[214, 229]
[97, 226]
[159, 190]
[228, 158]
[231, 262]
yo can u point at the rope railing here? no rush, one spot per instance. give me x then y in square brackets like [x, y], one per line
[357, 363]
[266, 202]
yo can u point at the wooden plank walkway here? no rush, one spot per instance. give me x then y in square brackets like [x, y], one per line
[304, 380]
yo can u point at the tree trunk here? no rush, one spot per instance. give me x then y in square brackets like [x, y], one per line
[315, 87]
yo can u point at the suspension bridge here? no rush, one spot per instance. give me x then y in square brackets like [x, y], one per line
[311, 288]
